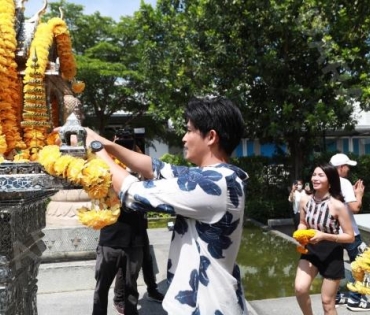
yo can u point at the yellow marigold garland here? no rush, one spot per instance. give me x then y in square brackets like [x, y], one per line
[67, 60]
[94, 176]
[361, 273]
[35, 118]
[34, 88]
[36, 115]
[10, 137]
[303, 238]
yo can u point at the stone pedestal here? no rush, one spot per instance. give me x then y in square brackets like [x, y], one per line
[24, 192]
[21, 247]
[62, 208]
[67, 239]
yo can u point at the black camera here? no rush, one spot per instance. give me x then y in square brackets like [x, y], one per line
[126, 138]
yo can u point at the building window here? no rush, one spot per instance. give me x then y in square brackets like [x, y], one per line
[345, 145]
[356, 146]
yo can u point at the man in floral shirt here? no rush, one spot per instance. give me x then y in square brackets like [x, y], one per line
[209, 203]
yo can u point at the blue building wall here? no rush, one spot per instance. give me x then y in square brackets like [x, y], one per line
[268, 149]
[250, 148]
[239, 150]
[345, 143]
[356, 145]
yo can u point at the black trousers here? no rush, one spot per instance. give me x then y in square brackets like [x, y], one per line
[148, 273]
[148, 267]
[108, 262]
[296, 219]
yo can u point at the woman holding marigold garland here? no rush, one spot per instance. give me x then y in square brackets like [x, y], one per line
[324, 212]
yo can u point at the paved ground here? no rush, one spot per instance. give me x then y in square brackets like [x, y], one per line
[67, 288]
[80, 303]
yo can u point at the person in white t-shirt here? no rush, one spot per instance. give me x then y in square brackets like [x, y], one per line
[295, 197]
[353, 199]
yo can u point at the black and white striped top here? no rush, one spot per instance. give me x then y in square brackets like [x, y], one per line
[318, 216]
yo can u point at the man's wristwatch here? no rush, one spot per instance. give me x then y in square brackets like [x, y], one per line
[96, 146]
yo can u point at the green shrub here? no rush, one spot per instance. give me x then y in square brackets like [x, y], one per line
[175, 159]
[258, 210]
[162, 215]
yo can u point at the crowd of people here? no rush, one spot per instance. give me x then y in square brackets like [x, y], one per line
[208, 201]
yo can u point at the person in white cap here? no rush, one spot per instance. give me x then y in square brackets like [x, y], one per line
[353, 199]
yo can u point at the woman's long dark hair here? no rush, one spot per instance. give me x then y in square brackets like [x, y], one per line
[333, 179]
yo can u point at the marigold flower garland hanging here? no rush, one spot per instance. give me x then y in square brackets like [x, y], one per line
[303, 238]
[34, 116]
[35, 112]
[94, 176]
[9, 95]
[361, 273]
[64, 48]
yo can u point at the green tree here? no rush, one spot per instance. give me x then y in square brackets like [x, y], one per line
[295, 68]
[171, 62]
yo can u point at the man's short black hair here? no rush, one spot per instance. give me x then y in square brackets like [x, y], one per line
[219, 114]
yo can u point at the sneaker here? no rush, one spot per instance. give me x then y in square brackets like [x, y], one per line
[155, 296]
[119, 307]
[360, 306]
[341, 299]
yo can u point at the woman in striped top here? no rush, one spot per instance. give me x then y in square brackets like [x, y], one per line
[324, 212]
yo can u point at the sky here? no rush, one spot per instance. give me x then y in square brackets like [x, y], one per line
[112, 8]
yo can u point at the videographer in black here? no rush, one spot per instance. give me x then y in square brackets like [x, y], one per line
[123, 249]
[126, 138]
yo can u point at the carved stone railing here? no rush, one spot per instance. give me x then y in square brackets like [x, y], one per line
[24, 192]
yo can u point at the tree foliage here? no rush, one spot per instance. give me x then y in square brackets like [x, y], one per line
[295, 68]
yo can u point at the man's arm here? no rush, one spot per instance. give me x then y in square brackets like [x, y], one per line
[291, 194]
[136, 162]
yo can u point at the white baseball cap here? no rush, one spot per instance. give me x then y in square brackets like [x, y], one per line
[341, 159]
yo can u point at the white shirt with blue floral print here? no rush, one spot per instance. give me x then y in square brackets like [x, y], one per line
[203, 276]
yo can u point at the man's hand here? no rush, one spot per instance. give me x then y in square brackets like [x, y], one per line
[359, 188]
[91, 136]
